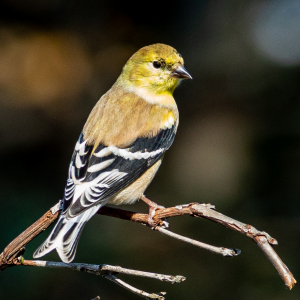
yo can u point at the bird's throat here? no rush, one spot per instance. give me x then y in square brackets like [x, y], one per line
[163, 99]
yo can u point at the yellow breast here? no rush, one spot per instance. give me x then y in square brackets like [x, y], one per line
[120, 117]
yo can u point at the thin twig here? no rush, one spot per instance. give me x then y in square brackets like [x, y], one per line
[15, 248]
[219, 250]
[281, 268]
[9, 256]
[133, 289]
[106, 271]
[101, 269]
[208, 212]
[161, 277]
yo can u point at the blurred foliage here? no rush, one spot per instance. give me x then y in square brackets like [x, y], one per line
[238, 143]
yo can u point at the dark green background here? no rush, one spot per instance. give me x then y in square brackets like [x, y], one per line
[238, 144]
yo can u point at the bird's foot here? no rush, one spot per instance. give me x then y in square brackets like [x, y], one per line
[153, 207]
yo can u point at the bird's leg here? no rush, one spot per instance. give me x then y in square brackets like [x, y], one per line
[152, 208]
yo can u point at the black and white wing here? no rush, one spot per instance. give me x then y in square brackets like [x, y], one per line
[96, 176]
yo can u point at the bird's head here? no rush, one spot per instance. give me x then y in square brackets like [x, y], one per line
[157, 68]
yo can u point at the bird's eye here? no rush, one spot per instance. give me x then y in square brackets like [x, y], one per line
[156, 64]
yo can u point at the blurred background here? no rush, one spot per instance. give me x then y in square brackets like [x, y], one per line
[238, 143]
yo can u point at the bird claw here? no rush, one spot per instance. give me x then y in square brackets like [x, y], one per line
[152, 211]
[153, 207]
[161, 224]
[164, 224]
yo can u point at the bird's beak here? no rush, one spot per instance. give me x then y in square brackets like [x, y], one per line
[181, 73]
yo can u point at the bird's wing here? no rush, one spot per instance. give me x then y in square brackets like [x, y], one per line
[94, 176]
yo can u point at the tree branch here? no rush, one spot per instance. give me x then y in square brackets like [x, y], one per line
[281, 268]
[207, 211]
[135, 290]
[11, 254]
[100, 269]
[108, 272]
[218, 250]
[16, 248]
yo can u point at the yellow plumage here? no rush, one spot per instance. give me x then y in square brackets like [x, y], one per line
[122, 144]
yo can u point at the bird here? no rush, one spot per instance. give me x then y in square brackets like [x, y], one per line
[121, 146]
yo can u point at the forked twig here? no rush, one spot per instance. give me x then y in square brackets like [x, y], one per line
[219, 250]
[108, 272]
[100, 269]
[11, 254]
[134, 289]
[207, 211]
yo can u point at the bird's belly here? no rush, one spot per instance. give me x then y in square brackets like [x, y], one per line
[135, 190]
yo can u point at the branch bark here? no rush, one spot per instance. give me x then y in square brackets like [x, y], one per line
[11, 256]
[100, 269]
[207, 211]
[108, 272]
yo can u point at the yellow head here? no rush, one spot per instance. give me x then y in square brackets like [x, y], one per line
[156, 68]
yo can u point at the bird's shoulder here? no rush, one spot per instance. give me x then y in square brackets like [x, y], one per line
[121, 116]
[124, 137]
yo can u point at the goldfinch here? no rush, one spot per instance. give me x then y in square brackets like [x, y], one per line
[122, 144]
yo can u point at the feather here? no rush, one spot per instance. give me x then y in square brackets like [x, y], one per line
[121, 146]
[65, 235]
